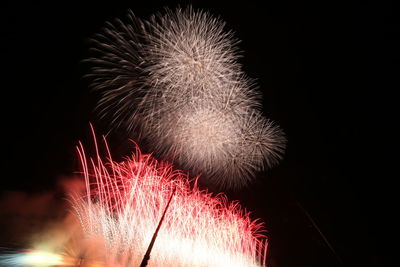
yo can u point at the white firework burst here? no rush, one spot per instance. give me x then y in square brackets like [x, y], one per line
[174, 80]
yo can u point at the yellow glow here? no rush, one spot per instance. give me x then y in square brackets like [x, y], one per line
[43, 259]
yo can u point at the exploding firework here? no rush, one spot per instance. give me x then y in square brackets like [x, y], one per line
[174, 81]
[124, 203]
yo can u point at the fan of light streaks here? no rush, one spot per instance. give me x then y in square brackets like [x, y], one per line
[125, 201]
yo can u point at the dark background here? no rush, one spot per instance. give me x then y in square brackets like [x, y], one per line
[328, 73]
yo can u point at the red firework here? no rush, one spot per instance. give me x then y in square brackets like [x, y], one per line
[125, 201]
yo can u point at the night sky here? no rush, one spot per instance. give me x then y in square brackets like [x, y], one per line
[328, 75]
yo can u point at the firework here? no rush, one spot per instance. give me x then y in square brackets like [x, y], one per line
[174, 81]
[124, 203]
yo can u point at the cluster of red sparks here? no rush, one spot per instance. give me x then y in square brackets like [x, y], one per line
[125, 201]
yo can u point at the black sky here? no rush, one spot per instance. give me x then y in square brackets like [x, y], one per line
[328, 74]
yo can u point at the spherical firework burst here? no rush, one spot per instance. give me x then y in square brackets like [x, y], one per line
[124, 204]
[174, 80]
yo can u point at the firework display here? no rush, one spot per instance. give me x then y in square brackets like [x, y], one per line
[124, 204]
[174, 81]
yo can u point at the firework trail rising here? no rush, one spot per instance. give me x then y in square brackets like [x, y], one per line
[174, 82]
[125, 201]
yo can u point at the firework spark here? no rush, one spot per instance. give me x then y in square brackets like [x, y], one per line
[174, 81]
[124, 204]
